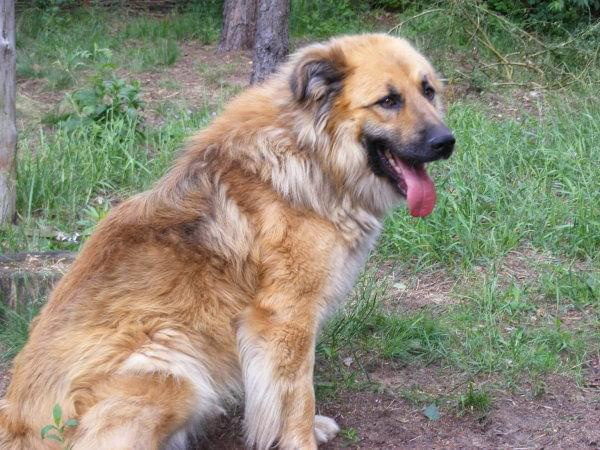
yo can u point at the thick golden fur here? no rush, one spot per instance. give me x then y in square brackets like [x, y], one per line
[211, 287]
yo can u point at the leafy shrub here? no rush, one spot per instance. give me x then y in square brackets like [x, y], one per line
[104, 101]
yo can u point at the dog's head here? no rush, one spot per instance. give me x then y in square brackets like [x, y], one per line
[374, 105]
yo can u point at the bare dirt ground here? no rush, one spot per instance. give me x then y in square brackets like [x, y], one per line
[564, 415]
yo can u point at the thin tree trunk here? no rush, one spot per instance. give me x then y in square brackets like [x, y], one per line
[239, 25]
[8, 129]
[272, 37]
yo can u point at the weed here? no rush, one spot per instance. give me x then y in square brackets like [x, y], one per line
[355, 321]
[417, 396]
[501, 50]
[92, 214]
[64, 69]
[56, 430]
[475, 400]
[488, 335]
[403, 337]
[200, 22]
[538, 388]
[349, 434]
[105, 101]
[567, 286]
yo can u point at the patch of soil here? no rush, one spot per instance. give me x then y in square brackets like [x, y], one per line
[432, 289]
[564, 417]
[567, 417]
[413, 291]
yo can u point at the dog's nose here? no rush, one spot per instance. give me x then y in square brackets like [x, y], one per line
[441, 141]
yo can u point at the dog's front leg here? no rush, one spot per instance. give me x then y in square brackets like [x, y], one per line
[277, 356]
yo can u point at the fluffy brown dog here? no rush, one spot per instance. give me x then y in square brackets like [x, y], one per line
[214, 283]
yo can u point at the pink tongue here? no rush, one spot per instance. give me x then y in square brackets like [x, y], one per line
[420, 191]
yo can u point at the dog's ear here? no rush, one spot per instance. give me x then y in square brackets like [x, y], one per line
[318, 75]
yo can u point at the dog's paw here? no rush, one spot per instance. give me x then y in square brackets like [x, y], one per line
[325, 429]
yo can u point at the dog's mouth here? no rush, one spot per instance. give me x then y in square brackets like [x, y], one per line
[409, 177]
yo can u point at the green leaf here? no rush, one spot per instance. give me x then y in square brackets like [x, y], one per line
[71, 423]
[432, 412]
[46, 430]
[54, 437]
[57, 414]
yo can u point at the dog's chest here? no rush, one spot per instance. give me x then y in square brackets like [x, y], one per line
[346, 265]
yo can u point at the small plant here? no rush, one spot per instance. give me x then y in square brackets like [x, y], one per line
[349, 434]
[56, 431]
[104, 101]
[475, 400]
[538, 388]
[64, 69]
[92, 215]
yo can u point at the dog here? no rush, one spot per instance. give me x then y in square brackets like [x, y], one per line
[211, 287]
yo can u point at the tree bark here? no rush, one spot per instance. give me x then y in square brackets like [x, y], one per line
[8, 129]
[272, 38]
[239, 25]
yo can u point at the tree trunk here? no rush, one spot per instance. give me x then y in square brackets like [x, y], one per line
[272, 38]
[239, 25]
[8, 129]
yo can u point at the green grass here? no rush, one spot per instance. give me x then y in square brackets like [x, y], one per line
[511, 331]
[475, 400]
[155, 54]
[322, 18]
[509, 183]
[69, 170]
[506, 331]
[200, 23]
[14, 326]
[58, 47]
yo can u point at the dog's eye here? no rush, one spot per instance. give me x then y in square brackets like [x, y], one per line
[428, 92]
[390, 102]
